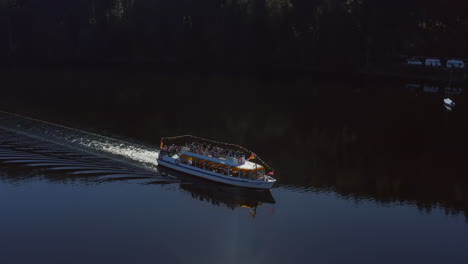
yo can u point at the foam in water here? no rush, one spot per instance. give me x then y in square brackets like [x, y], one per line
[131, 152]
[138, 155]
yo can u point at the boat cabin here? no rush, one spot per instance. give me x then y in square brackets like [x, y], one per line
[246, 169]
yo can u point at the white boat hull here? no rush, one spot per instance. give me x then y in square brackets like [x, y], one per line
[213, 176]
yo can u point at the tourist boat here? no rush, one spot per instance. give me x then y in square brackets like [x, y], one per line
[216, 161]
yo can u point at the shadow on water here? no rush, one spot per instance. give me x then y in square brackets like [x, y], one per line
[361, 140]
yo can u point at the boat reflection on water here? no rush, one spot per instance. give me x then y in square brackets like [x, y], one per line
[222, 195]
[229, 196]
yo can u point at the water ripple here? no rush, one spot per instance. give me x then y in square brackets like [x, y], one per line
[33, 156]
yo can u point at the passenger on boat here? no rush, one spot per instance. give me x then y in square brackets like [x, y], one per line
[204, 149]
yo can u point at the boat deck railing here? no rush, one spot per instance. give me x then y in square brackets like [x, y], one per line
[184, 139]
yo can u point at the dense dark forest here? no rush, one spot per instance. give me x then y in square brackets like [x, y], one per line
[339, 35]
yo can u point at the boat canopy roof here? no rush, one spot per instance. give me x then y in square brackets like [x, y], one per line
[184, 140]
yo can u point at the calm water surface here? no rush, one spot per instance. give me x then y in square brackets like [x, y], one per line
[367, 173]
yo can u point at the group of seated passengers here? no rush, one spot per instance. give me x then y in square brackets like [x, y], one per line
[224, 171]
[202, 149]
[214, 151]
[170, 150]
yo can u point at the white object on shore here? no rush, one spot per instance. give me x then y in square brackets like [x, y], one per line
[413, 61]
[432, 62]
[455, 64]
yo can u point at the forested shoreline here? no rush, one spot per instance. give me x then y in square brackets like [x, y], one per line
[328, 35]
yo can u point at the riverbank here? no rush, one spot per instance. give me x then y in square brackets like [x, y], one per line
[271, 72]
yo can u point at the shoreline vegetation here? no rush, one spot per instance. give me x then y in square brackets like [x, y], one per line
[273, 38]
[442, 76]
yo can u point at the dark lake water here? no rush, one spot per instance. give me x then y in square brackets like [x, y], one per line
[368, 171]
